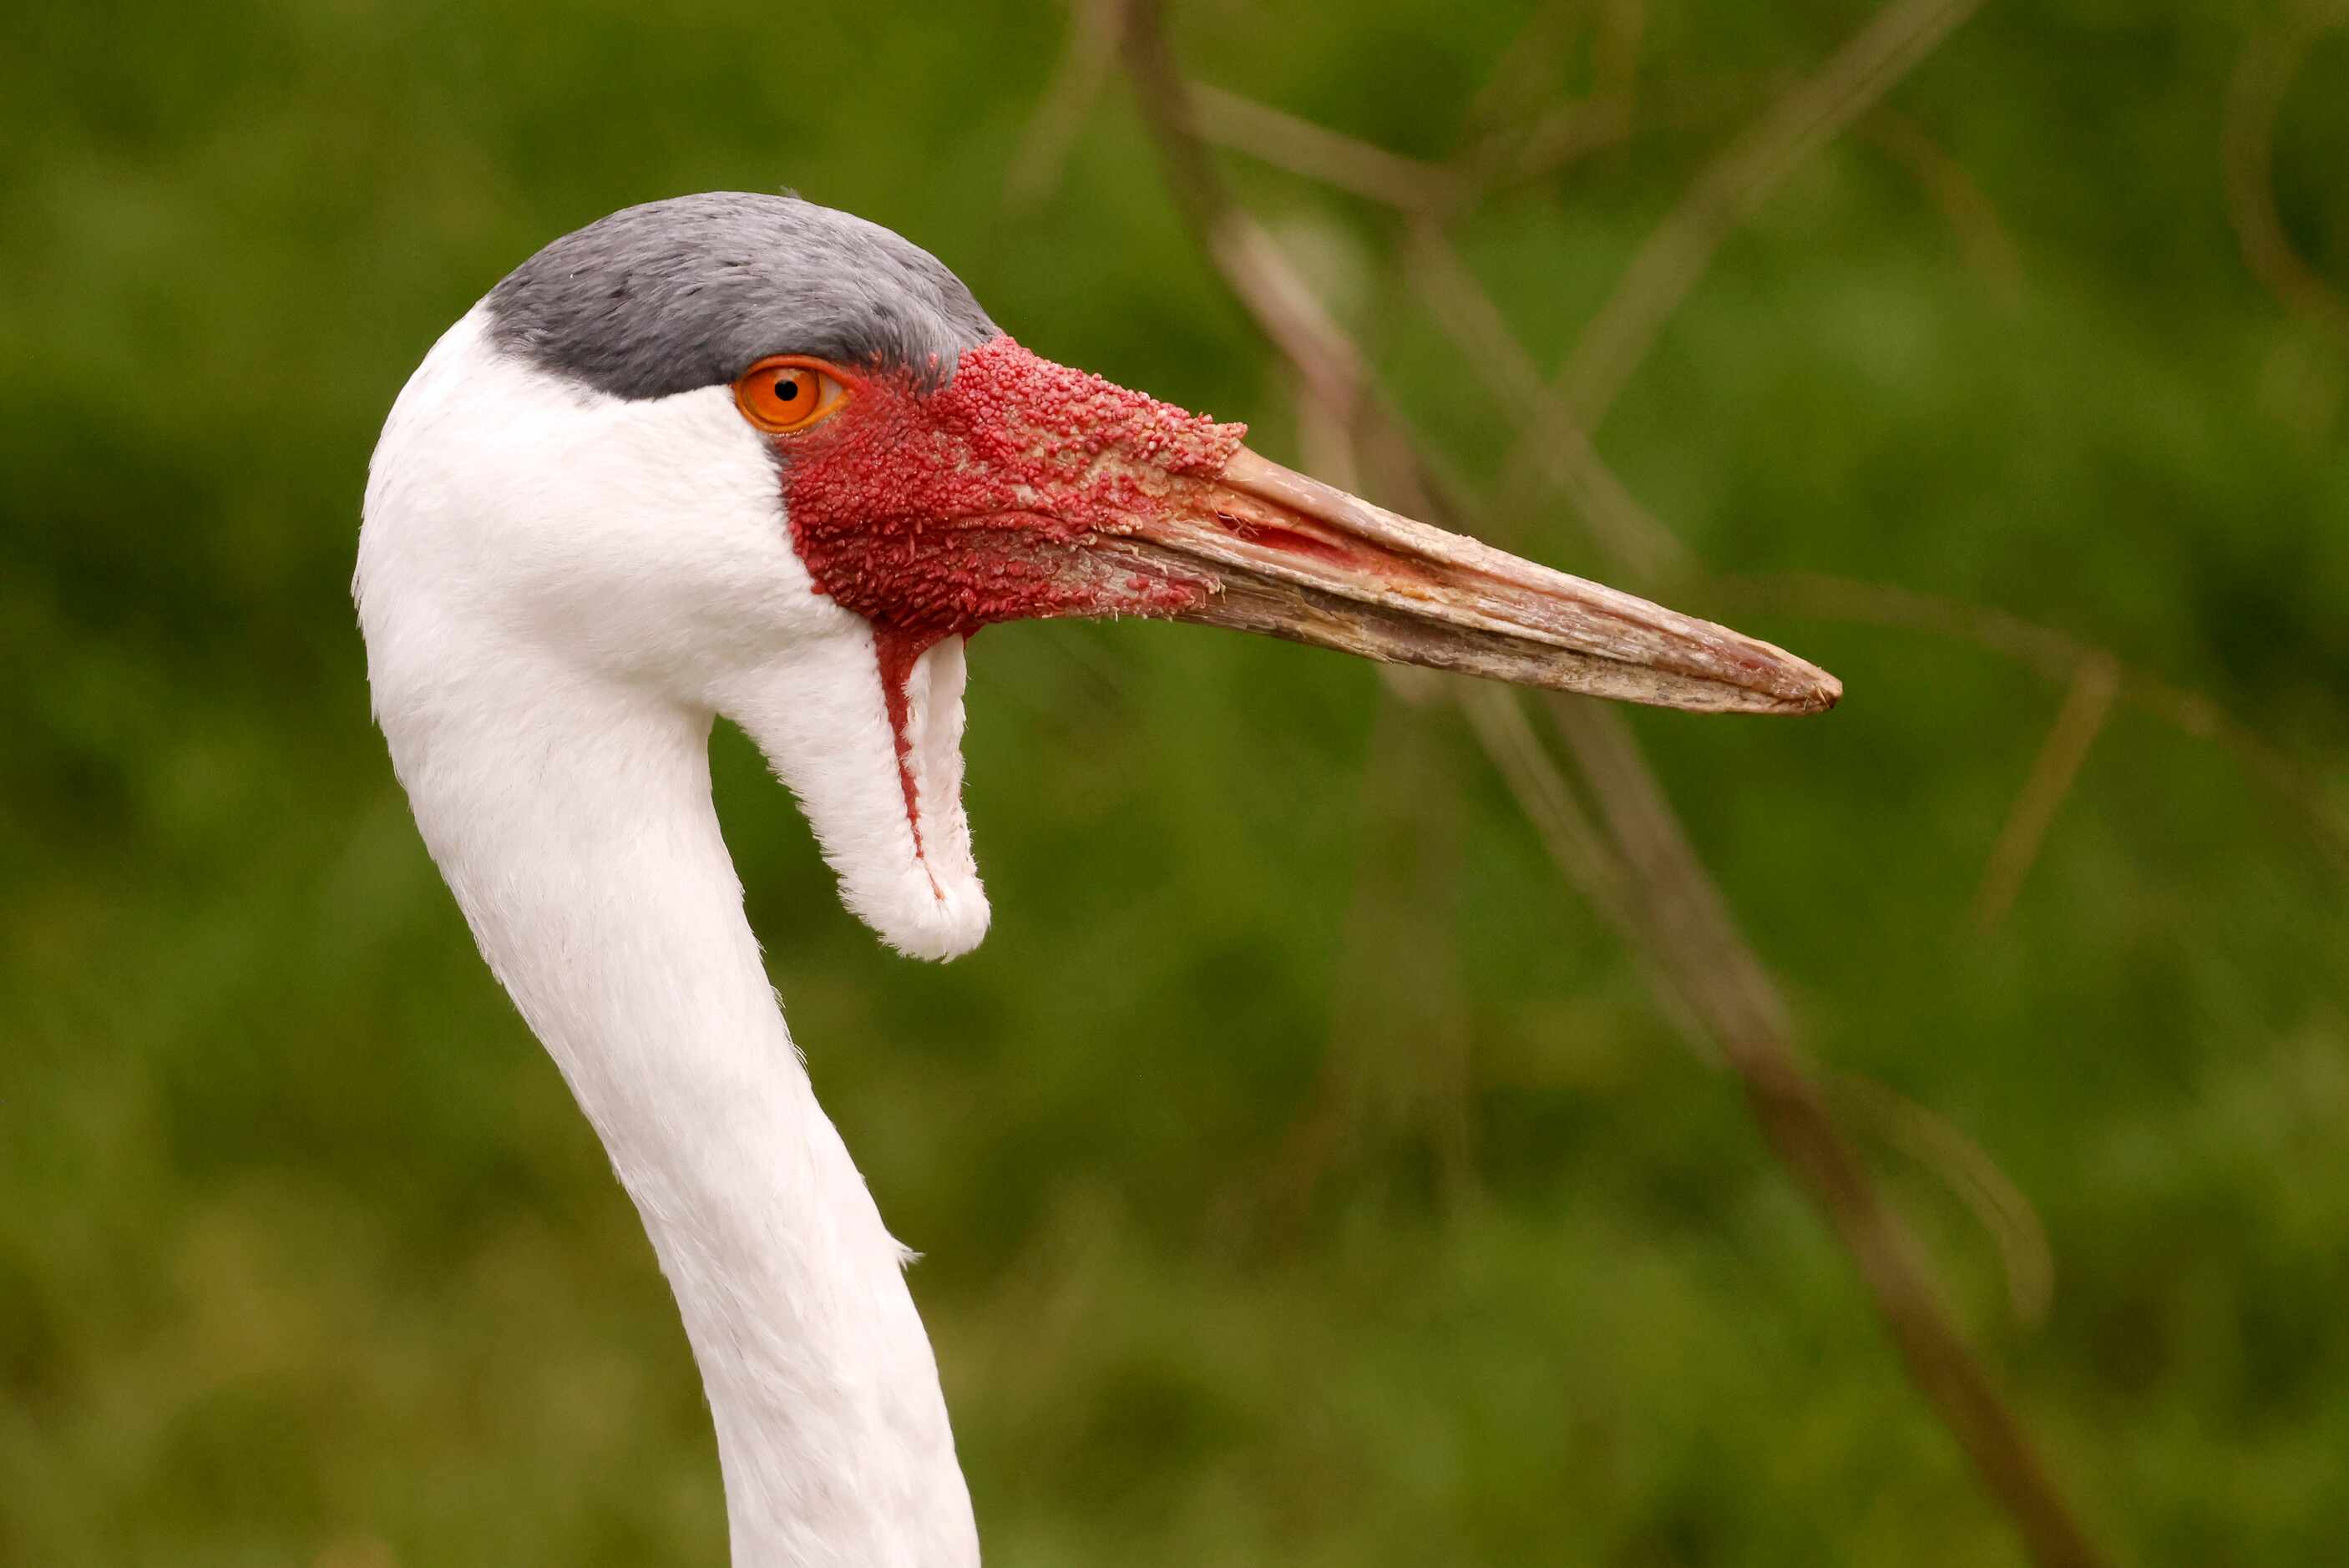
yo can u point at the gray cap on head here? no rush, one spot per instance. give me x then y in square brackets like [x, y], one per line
[690, 292]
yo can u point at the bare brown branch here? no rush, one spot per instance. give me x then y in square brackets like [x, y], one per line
[1638, 869]
[1680, 916]
[1690, 922]
[1677, 920]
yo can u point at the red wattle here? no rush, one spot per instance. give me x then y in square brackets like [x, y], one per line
[897, 651]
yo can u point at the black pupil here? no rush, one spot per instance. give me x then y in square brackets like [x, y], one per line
[787, 388]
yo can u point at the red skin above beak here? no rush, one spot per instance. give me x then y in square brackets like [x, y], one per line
[1022, 489]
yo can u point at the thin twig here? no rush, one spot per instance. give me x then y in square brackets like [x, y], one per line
[1969, 1172]
[1317, 152]
[1982, 233]
[1460, 305]
[1516, 76]
[1426, 191]
[2075, 728]
[2057, 655]
[1694, 920]
[1804, 120]
[1574, 843]
[1076, 85]
[1577, 848]
[2254, 99]
[1682, 917]
[1654, 855]
[1615, 51]
[1644, 546]
[1409, 795]
[1684, 935]
[1504, 160]
[1675, 256]
[1564, 135]
[1402, 987]
[1677, 895]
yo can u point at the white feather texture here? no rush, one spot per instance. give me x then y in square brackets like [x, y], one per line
[559, 589]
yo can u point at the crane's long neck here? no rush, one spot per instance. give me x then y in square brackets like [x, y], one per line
[580, 839]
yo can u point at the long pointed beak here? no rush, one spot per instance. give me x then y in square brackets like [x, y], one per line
[1292, 557]
[1024, 488]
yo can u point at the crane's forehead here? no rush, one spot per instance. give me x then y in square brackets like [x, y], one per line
[688, 292]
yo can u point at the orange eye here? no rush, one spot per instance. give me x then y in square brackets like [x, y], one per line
[787, 393]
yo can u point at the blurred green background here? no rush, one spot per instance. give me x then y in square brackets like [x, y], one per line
[1304, 1175]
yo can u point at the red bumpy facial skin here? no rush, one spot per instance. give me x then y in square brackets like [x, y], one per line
[940, 512]
[933, 513]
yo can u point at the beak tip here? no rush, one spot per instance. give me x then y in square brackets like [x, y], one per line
[1814, 690]
[1787, 683]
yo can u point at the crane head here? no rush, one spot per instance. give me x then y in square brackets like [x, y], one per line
[747, 455]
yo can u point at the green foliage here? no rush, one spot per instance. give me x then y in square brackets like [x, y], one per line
[1304, 1177]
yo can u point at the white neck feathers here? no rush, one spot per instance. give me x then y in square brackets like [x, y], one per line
[558, 589]
[580, 840]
